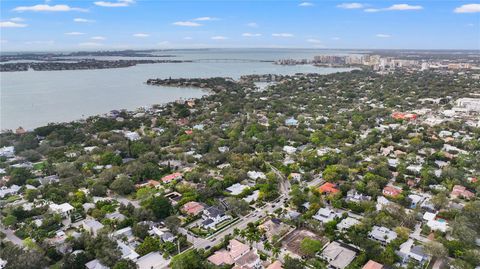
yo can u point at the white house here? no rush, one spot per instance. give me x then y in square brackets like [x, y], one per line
[213, 216]
[382, 235]
[64, 209]
[325, 215]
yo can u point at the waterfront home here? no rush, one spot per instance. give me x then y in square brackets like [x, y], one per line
[338, 255]
[382, 235]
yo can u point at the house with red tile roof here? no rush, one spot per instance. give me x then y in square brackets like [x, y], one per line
[372, 265]
[328, 188]
[171, 177]
[193, 208]
[461, 191]
[234, 252]
[391, 191]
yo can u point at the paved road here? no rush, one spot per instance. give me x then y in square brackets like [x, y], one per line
[10, 236]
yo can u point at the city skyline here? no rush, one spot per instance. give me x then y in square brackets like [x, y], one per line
[136, 24]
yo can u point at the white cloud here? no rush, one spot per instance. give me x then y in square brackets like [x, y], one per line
[351, 5]
[74, 33]
[11, 24]
[82, 20]
[55, 8]
[313, 40]
[282, 35]
[404, 7]
[467, 8]
[97, 38]
[90, 44]
[219, 37]
[396, 7]
[17, 19]
[383, 35]
[252, 24]
[335, 38]
[141, 35]
[188, 38]
[3, 41]
[305, 4]
[251, 34]
[118, 3]
[187, 23]
[205, 19]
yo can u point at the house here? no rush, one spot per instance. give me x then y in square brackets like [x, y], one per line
[115, 216]
[255, 175]
[409, 251]
[291, 122]
[236, 189]
[328, 188]
[174, 197]
[289, 149]
[382, 235]
[95, 264]
[274, 227]
[8, 152]
[252, 197]
[275, 265]
[372, 265]
[338, 255]
[171, 177]
[92, 226]
[347, 223]
[193, 208]
[64, 209]
[153, 260]
[49, 179]
[249, 260]
[325, 215]
[4, 191]
[460, 191]
[391, 191]
[434, 223]
[355, 197]
[213, 216]
[132, 136]
[234, 251]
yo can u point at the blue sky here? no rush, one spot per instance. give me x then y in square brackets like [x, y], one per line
[133, 24]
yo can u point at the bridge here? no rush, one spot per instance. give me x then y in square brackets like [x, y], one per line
[231, 61]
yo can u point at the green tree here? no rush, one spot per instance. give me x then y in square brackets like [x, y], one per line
[122, 185]
[148, 245]
[310, 247]
[160, 207]
[189, 259]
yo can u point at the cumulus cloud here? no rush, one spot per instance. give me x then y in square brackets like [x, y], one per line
[187, 23]
[74, 33]
[219, 37]
[383, 35]
[351, 5]
[17, 19]
[48, 8]
[97, 38]
[396, 7]
[252, 24]
[467, 8]
[118, 3]
[141, 35]
[282, 35]
[251, 34]
[12, 24]
[305, 4]
[404, 7]
[82, 20]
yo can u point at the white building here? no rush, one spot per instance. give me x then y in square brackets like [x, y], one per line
[65, 209]
[382, 235]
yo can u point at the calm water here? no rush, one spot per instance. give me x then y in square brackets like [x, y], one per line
[32, 99]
